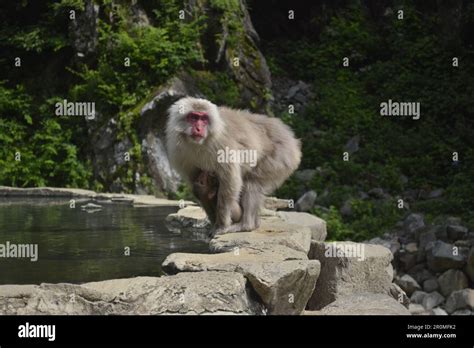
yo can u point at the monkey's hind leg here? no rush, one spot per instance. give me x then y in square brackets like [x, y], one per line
[250, 202]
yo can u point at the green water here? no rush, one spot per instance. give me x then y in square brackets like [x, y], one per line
[76, 246]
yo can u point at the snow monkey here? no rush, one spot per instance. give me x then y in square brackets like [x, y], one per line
[205, 188]
[250, 154]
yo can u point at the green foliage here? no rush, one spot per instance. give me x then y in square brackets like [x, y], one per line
[218, 87]
[62, 5]
[401, 60]
[368, 220]
[45, 158]
[225, 5]
[55, 151]
[35, 150]
[184, 192]
[154, 54]
[288, 190]
[37, 40]
[337, 230]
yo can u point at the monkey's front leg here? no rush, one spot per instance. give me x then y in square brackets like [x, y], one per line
[230, 185]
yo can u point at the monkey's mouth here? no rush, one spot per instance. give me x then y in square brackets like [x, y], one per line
[198, 139]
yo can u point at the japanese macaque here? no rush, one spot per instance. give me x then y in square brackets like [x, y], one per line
[250, 154]
[205, 188]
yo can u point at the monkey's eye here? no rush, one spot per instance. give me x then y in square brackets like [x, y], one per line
[192, 118]
[197, 116]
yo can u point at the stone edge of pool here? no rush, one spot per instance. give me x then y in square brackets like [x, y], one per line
[59, 192]
[282, 268]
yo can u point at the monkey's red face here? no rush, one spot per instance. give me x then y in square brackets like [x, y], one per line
[198, 122]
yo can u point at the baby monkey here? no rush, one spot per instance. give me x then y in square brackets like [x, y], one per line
[205, 187]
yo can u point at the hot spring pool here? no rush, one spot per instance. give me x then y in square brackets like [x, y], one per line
[77, 246]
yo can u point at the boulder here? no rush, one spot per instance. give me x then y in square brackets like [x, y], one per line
[406, 260]
[425, 239]
[416, 309]
[230, 261]
[439, 311]
[191, 217]
[315, 224]
[185, 293]
[439, 231]
[442, 256]
[349, 267]
[411, 247]
[432, 300]
[413, 223]
[437, 193]
[453, 220]
[273, 203]
[352, 144]
[388, 241]
[452, 280]
[273, 257]
[283, 278]
[56, 299]
[284, 287]
[363, 304]
[430, 285]
[420, 273]
[408, 284]
[456, 232]
[417, 297]
[346, 208]
[376, 192]
[306, 202]
[461, 299]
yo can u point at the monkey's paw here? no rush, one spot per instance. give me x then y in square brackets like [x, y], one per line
[238, 227]
[215, 231]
